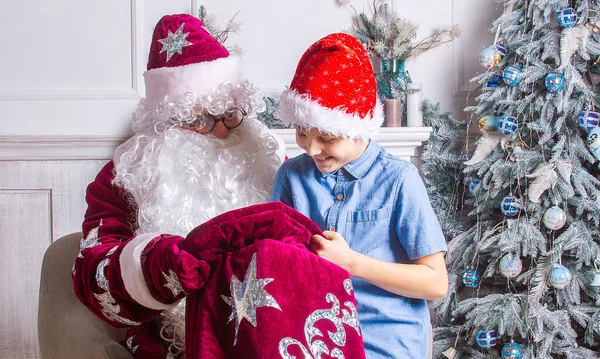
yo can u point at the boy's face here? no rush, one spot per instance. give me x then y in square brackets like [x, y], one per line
[328, 151]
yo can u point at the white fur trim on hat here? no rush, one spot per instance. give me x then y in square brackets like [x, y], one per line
[199, 78]
[297, 109]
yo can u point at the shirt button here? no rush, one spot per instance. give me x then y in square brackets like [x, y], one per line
[332, 229]
[340, 197]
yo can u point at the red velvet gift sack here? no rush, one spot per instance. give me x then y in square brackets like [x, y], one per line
[268, 296]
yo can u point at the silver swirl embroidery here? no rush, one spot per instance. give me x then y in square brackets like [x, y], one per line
[316, 348]
[91, 240]
[110, 308]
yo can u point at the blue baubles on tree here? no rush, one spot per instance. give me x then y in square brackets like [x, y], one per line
[509, 206]
[587, 120]
[512, 350]
[593, 142]
[471, 278]
[512, 75]
[473, 185]
[486, 338]
[555, 81]
[566, 17]
[507, 125]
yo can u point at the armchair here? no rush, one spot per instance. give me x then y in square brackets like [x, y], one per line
[66, 328]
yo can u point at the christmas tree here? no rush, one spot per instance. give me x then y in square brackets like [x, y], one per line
[523, 226]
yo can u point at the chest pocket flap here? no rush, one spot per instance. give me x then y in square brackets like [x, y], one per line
[367, 230]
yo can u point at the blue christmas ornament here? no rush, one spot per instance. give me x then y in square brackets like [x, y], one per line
[471, 278]
[500, 49]
[566, 17]
[593, 142]
[507, 125]
[587, 120]
[473, 186]
[494, 82]
[509, 206]
[512, 350]
[486, 338]
[555, 81]
[511, 75]
[560, 277]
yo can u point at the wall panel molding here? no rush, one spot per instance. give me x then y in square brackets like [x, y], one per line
[94, 93]
[52, 148]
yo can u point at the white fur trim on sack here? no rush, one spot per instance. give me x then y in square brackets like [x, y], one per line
[200, 78]
[133, 276]
[297, 109]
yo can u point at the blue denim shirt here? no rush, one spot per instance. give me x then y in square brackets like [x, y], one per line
[379, 204]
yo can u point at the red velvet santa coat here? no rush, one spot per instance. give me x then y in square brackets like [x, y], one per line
[253, 288]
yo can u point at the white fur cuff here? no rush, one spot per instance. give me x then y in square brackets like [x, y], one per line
[133, 276]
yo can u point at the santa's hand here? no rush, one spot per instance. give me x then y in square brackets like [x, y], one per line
[334, 248]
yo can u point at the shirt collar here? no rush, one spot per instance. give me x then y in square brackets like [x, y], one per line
[360, 166]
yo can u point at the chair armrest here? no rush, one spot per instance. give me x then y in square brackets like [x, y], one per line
[66, 328]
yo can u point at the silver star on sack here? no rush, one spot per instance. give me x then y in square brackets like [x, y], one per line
[174, 42]
[247, 296]
[172, 282]
[91, 240]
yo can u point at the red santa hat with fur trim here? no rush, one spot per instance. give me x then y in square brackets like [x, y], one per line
[334, 90]
[184, 58]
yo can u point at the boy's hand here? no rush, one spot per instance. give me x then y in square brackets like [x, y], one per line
[334, 248]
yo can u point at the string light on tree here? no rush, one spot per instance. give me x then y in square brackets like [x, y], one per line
[473, 185]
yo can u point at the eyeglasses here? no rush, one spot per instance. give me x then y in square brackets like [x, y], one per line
[205, 122]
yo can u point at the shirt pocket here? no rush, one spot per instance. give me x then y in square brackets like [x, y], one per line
[368, 230]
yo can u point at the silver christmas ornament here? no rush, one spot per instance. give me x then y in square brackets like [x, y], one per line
[560, 277]
[510, 265]
[554, 218]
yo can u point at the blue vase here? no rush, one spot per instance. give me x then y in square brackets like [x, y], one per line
[392, 79]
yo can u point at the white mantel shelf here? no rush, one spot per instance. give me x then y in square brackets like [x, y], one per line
[399, 141]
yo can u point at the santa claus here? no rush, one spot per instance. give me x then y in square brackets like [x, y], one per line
[197, 152]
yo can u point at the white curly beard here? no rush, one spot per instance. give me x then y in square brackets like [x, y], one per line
[180, 179]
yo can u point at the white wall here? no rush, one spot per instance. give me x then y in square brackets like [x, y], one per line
[71, 74]
[75, 68]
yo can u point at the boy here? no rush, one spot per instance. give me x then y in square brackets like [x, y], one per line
[373, 207]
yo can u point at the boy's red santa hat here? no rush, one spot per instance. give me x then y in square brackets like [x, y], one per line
[184, 58]
[334, 90]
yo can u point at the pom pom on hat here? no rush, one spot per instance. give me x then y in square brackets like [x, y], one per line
[334, 90]
[184, 58]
